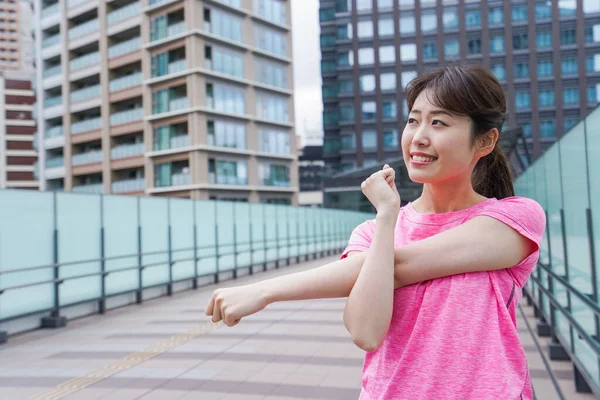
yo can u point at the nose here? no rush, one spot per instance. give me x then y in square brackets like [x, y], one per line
[421, 137]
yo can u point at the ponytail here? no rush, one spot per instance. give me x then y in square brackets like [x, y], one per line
[492, 176]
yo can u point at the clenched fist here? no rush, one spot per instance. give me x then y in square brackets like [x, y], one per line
[231, 304]
[381, 191]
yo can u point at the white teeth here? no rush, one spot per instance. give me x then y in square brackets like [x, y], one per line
[423, 159]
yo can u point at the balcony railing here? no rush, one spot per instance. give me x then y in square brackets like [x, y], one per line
[178, 104]
[51, 41]
[123, 13]
[88, 157]
[180, 179]
[56, 131]
[227, 180]
[86, 125]
[52, 101]
[179, 141]
[127, 150]
[73, 3]
[129, 185]
[177, 66]
[84, 61]
[126, 82]
[52, 71]
[84, 29]
[94, 188]
[85, 93]
[176, 29]
[276, 182]
[50, 10]
[55, 162]
[125, 47]
[124, 117]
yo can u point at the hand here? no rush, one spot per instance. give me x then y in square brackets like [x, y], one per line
[380, 189]
[231, 304]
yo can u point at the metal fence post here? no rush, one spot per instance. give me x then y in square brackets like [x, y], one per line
[297, 240]
[276, 239]
[170, 260]
[265, 237]
[251, 269]
[235, 254]
[103, 274]
[216, 244]
[289, 240]
[195, 281]
[566, 254]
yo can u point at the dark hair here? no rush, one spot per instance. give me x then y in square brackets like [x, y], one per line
[471, 91]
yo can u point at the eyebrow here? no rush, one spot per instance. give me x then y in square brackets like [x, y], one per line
[434, 112]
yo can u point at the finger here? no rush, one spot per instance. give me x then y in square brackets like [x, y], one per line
[216, 316]
[209, 307]
[386, 166]
[228, 319]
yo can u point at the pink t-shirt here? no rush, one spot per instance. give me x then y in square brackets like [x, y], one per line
[454, 338]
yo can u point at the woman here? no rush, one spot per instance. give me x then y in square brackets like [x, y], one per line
[433, 286]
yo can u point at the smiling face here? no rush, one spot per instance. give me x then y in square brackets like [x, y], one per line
[437, 145]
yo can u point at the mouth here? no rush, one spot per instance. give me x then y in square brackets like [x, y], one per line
[422, 159]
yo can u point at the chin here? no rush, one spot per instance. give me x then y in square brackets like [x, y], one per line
[420, 177]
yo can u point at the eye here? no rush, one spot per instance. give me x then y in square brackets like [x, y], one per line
[440, 122]
[411, 120]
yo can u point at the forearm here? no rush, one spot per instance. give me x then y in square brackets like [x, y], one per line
[329, 281]
[369, 307]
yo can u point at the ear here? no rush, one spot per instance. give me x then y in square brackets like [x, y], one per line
[487, 142]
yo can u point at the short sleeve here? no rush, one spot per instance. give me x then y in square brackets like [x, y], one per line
[360, 239]
[527, 217]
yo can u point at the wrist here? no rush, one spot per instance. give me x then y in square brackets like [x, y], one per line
[265, 293]
[387, 216]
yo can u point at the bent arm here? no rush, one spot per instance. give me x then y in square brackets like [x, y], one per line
[481, 244]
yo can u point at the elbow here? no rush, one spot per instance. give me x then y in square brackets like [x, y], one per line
[367, 344]
[366, 340]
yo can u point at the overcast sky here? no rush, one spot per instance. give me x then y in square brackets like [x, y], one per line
[307, 65]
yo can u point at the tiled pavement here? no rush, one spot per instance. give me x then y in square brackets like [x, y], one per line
[162, 349]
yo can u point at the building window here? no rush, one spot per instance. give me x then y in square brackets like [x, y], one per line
[497, 44]
[474, 46]
[593, 94]
[390, 139]
[343, 5]
[450, 18]
[473, 19]
[407, 76]
[369, 110]
[331, 117]
[547, 128]
[347, 112]
[428, 21]
[403, 4]
[569, 123]
[569, 66]
[367, 83]
[274, 141]
[344, 32]
[545, 68]
[451, 48]
[571, 96]
[591, 6]
[521, 70]
[407, 23]
[543, 40]
[520, 41]
[223, 24]
[519, 14]
[225, 98]
[366, 56]
[567, 8]
[567, 37]
[326, 14]
[526, 129]
[522, 100]
[496, 16]
[273, 10]
[226, 134]
[499, 71]
[364, 5]
[227, 62]
[369, 140]
[328, 40]
[274, 175]
[348, 142]
[270, 40]
[386, 27]
[408, 52]
[592, 34]
[271, 73]
[385, 4]
[430, 51]
[592, 63]
[546, 98]
[272, 107]
[329, 91]
[388, 81]
[364, 29]
[345, 59]
[387, 54]
[346, 86]
[327, 66]
[389, 109]
[543, 10]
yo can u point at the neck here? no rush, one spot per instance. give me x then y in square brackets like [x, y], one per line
[447, 197]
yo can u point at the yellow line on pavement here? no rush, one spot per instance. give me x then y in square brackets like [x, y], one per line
[127, 362]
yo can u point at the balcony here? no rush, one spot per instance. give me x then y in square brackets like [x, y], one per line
[226, 179]
[177, 66]
[127, 150]
[178, 104]
[55, 162]
[126, 82]
[87, 125]
[84, 61]
[54, 132]
[276, 182]
[73, 3]
[172, 30]
[84, 29]
[180, 179]
[85, 93]
[177, 142]
[94, 188]
[50, 10]
[52, 101]
[51, 41]
[52, 71]
[125, 47]
[127, 116]
[89, 157]
[129, 185]
[123, 13]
